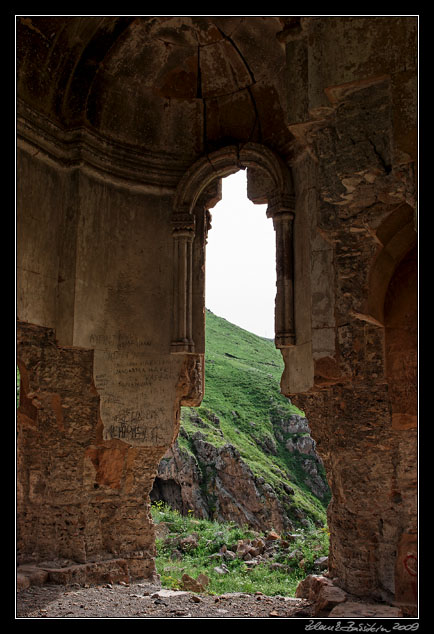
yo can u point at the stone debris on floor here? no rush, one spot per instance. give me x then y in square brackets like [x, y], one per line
[144, 600]
[316, 597]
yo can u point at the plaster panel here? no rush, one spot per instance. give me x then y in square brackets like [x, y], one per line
[323, 342]
[298, 373]
[124, 257]
[41, 204]
[323, 289]
[137, 392]
[123, 310]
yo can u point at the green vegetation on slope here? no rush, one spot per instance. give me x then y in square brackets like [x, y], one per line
[243, 406]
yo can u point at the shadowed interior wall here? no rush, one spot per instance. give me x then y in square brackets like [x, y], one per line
[401, 344]
[400, 318]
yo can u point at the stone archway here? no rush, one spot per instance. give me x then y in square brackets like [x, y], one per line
[281, 208]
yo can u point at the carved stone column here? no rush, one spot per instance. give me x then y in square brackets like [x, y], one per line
[183, 236]
[283, 219]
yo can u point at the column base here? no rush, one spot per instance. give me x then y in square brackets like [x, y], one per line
[181, 347]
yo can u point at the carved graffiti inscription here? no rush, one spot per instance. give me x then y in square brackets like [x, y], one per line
[136, 390]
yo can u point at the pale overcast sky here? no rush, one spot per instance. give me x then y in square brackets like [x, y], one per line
[241, 260]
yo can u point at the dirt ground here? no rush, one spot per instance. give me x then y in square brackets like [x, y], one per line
[147, 601]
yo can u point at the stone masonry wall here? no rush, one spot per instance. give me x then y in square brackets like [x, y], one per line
[113, 111]
[81, 500]
[360, 235]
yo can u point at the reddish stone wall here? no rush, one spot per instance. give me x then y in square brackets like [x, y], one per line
[365, 430]
[81, 500]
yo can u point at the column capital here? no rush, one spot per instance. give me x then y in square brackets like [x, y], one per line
[285, 339]
[183, 224]
[281, 207]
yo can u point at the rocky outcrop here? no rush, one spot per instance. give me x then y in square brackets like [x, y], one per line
[216, 483]
[294, 433]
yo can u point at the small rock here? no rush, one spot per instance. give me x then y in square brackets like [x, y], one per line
[196, 599]
[167, 593]
[221, 570]
[161, 530]
[23, 582]
[189, 543]
[272, 536]
[322, 562]
[277, 566]
[258, 543]
[193, 585]
[252, 562]
[203, 580]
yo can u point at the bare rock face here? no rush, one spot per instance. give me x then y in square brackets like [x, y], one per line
[222, 488]
[215, 482]
[303, 444]
[65, 467]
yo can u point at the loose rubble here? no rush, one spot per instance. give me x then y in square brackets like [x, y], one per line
[316, 597]
[144, 600]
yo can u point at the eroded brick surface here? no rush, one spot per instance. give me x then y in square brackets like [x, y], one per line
[81, 500]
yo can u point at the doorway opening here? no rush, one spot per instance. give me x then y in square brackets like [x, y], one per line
[244, 424]
[245, 458]
[241, 260]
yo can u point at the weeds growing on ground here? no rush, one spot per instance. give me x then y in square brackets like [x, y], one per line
[280, 575]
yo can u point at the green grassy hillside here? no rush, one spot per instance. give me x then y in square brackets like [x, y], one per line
[243, 406]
